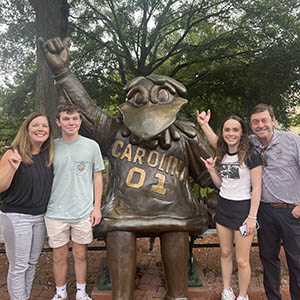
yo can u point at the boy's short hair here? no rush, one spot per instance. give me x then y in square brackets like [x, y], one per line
[69, 109]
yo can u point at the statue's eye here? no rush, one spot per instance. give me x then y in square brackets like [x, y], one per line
[163, 96]
[138, 98]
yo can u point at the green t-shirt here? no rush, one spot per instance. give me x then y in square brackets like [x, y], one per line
[72, 193]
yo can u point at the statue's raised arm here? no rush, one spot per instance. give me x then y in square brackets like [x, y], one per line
[96, 124]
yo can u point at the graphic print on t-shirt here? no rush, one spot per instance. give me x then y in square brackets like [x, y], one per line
[230, 170]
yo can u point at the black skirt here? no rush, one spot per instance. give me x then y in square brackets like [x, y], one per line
[232, 213]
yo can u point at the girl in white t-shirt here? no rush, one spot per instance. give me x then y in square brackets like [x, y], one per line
[237, 172]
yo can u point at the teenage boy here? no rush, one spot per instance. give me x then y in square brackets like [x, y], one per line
[74, 206]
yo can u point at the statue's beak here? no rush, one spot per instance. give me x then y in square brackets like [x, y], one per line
[151, 119]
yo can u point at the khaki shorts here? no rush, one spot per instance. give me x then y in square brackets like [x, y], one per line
[59, 233]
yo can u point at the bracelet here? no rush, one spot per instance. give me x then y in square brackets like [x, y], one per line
[252, 218]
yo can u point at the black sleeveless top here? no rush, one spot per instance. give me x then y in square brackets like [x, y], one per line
[30, 188]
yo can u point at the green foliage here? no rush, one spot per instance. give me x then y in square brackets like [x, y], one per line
[249, 64]
[18, 69]
[230, 54]
[17, 42]
[18, 97]
[8, 129]
[16, 103]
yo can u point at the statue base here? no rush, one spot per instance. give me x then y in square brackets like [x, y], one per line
[150, 283]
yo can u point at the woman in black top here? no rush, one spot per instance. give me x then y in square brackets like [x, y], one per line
[26, 175]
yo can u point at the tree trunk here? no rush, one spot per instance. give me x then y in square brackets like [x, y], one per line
[51, 21]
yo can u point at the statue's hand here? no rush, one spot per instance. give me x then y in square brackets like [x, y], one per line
[56, 54]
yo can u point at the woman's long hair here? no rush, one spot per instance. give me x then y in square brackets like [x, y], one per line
[22, 143]
[243, 147]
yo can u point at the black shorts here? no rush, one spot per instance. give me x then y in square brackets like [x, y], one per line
[232, 213]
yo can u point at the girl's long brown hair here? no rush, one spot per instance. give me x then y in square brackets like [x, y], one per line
[23, 145]
[243, 147]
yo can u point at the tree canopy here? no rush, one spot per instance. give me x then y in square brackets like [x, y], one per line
[230, 54]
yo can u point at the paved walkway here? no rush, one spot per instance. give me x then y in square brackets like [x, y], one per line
[149, 279]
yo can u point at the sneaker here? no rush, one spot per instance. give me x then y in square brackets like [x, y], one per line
[242, 298]
[58, 297]
[228, 294]
[85, 297]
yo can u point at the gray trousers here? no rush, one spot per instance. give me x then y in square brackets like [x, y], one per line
[23, 236]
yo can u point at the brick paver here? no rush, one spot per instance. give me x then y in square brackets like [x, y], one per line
[150, 278]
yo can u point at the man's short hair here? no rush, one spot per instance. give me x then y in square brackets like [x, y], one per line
[263, 107]
[69, 109]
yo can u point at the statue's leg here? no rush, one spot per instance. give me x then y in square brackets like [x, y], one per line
[121, 260]
[175, 254]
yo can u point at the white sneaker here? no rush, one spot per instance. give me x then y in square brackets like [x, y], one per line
[85, 297]
[58, 297]
[242, 298]
[228, 294]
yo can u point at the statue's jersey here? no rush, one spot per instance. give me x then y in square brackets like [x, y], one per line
[149, 189]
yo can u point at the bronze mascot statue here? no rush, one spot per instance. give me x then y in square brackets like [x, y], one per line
[151, 157]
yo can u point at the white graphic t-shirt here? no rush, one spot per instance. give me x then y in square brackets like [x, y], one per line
[236, 178]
